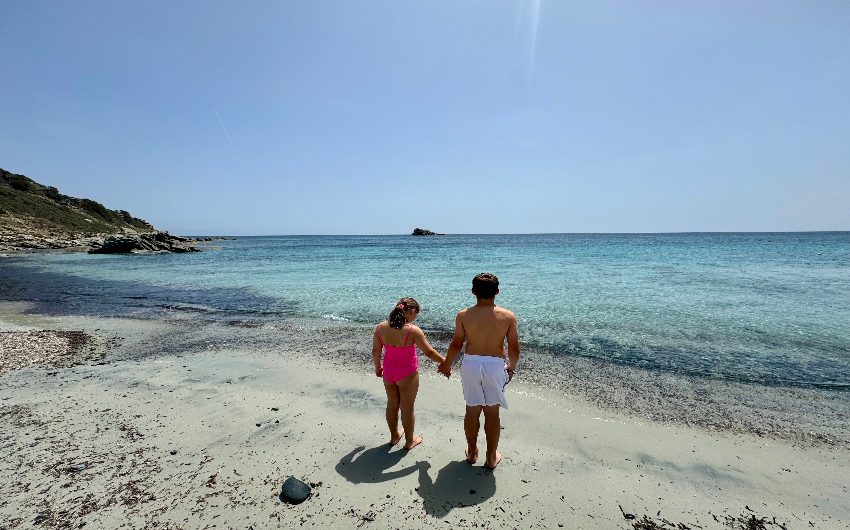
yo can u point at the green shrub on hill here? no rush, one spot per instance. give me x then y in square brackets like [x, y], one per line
[20, 182]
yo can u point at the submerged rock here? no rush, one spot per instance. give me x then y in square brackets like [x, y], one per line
[294, 491]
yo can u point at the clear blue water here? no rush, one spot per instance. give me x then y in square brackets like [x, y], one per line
[765, 308]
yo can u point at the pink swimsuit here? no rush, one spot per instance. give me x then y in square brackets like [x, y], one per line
[399, 361]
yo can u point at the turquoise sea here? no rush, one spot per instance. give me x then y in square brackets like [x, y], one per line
[767, 308]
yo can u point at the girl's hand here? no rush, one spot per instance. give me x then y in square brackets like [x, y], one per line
[379, 371]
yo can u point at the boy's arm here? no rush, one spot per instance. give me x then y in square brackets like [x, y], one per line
[377, 347]
[513, 346]
[455, 345]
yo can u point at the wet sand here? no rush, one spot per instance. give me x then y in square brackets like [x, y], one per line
[180, 423]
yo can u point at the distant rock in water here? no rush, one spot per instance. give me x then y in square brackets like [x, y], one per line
[425, 232]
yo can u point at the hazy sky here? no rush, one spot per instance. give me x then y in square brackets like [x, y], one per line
[373, 117]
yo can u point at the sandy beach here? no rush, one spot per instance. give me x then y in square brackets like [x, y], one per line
[174, 425]
[206, 208]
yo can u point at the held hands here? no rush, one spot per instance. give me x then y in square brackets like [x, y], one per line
[445, 369]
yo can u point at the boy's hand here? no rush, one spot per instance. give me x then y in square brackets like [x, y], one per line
[379, 371]
[445, 369]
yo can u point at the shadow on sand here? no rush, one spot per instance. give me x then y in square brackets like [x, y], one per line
[458, 484]
[371, 464]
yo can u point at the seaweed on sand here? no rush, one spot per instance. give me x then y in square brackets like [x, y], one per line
[745, 521]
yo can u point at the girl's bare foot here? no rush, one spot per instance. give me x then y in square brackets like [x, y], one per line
[413, 443]
[472, 456]
[396, 438]
[492, 465]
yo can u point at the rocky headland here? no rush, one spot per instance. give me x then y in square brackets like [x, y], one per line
[34, 216]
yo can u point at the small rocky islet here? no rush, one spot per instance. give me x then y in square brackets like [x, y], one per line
[425, 232]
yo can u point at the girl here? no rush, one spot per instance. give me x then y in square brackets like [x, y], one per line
[398, 337]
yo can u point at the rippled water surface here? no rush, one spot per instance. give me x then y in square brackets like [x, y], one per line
[767, 308]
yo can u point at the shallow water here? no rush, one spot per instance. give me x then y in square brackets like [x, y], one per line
[763, 308]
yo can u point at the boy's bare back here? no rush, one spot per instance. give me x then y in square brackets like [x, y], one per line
[486, 326]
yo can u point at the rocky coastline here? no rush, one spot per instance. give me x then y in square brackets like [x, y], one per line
[35, 217]
[135, 243]
[17, 234]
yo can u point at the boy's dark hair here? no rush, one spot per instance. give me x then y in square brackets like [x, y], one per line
[485, 285]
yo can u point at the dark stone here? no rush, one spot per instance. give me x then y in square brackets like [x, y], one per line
[294, 491]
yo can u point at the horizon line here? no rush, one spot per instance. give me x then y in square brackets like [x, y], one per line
[536, 233]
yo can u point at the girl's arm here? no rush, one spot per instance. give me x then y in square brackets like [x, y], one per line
[427, 349]
[377, 348]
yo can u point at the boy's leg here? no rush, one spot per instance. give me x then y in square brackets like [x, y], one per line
[471, 425]
[492, 429]
[393, 403]
[408, 388]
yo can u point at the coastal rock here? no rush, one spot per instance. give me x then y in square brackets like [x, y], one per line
[294, 491]
[133, 243]
[425, 232]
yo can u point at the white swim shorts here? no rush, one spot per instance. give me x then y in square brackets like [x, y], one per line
[484, 380]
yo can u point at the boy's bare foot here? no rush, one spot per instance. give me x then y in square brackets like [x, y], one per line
[492, 465]
[397, 437]
[413, 443]
[472, 456]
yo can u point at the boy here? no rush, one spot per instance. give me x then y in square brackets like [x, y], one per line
[484, 371]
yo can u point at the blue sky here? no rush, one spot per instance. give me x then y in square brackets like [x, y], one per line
[374, 117]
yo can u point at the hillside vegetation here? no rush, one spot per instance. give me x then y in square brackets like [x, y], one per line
[25, 201]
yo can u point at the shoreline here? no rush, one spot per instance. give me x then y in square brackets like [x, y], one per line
[177, 427]
[797, 415]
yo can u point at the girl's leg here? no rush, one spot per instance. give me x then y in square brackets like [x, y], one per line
[408, 388]
[393, 403]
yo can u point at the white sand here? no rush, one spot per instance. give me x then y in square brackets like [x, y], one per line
[92, 444]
